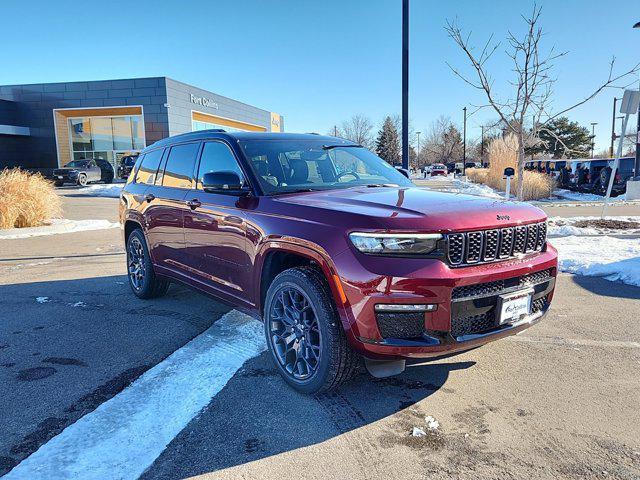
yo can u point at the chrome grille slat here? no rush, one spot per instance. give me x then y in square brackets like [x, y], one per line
[484, 246]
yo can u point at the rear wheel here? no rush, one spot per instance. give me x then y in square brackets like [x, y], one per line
[305, 334]
[142, 279]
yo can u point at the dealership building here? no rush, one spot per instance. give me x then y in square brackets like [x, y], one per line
[44, 126]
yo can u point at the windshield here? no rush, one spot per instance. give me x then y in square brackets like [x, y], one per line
[78, 164]
[283, 166]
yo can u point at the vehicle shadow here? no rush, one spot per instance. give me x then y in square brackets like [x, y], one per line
[608, 288]
[257, 415]
[67, 346]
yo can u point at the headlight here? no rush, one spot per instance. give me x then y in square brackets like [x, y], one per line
[395, 243]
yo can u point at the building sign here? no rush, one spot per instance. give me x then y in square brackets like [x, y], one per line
[276, 122]
[204, 101]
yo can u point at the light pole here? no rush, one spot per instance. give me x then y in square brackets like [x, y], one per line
[637, 165]
[418, 153]
[405, 84]
[593, 136]
[464, 142]
[613, 126]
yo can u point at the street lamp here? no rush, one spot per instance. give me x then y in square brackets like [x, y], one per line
[593, 136]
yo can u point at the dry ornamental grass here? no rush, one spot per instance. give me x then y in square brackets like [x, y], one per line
[503, 153]
[26, 199]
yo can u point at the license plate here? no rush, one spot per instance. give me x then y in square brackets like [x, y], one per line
[60, 177]
[514, 306]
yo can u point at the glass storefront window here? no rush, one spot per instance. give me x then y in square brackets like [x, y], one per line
[107, 138]
[197, 125]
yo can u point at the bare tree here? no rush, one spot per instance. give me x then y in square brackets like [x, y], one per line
[527, 111]
[358, 129]
[442, 143]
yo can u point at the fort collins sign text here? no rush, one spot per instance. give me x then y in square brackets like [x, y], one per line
[204, 101]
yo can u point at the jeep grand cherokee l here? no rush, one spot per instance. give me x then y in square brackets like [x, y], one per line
[341, 255]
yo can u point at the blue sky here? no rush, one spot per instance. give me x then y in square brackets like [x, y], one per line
[315, 62]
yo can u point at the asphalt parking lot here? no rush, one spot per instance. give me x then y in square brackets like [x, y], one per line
[560, 400]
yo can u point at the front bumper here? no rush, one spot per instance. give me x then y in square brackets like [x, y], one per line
[452, 290]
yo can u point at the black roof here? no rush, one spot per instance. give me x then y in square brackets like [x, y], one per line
[230, 136]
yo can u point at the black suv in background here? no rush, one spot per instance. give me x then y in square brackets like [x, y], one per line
[83, 172]
[126, 165]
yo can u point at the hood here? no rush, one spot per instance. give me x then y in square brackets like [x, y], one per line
[411, 208]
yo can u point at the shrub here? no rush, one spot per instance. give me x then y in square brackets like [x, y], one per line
[503, 153]
[26, 199]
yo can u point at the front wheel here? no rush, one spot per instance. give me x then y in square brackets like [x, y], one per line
[142, 279]
[82, 180]
[305, 334]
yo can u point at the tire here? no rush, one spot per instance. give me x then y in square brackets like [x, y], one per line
[57, 183]
[142, 279]
[82, 180]
[336, 362]
[108, 180]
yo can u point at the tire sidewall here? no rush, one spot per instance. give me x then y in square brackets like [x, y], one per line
[324, 314]
[82, 180]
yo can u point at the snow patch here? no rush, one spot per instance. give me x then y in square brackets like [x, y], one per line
[565, 226]
[112, 190]
[469, 188]
[124, 435]
[584, 197]
[418, 432]
[614, 259]
[57, 226]
[432, 423]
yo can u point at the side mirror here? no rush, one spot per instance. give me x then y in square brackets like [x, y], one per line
[223, 182]
[403, 171]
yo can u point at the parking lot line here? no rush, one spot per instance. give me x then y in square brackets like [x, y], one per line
[123, 436]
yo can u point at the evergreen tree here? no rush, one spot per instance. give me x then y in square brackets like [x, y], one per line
[388, 143]
[576, 140]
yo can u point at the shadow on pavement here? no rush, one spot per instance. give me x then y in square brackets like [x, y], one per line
[607, 288]
[86, 341]
[257, 415]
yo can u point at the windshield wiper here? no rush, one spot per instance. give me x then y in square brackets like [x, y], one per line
[297, 190]
[329, 147]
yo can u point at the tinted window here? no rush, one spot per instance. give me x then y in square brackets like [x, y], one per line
[149, 167]
[217, 157]
[179, 169]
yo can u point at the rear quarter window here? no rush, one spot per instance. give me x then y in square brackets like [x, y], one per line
[149, 167]
[178, 172]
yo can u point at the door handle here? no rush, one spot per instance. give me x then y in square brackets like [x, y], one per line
[193, 204]
[232, 219]
[149, 197]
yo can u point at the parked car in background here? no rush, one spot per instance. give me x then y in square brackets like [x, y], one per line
[83, 172]
[126, 165]
[342, 257]
[623, 173]
[439, 169]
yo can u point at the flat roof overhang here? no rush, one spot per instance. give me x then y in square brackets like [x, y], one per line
[15, 130]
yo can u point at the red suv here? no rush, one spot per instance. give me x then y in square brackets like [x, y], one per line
[341, 255]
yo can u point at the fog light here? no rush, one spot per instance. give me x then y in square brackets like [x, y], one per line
[403, 307]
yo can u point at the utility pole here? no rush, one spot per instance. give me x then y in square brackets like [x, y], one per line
[593, 136]
[405, 84]
[335, 130]
[636, 172]
[613, 126]
[482, 144]
[464, 143]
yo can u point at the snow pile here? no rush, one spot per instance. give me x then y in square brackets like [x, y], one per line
[602, 256]
[112, 190]
[432, 425]
[584, 197]
[124, 435]
[563, 227]
[468, 188]
[56, 226]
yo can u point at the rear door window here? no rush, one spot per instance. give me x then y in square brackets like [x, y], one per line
[217, 157]
[149, 167]
[178, 173]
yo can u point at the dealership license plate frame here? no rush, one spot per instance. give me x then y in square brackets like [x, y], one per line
[517, 299]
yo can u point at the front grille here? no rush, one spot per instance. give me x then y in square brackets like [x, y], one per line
[400, 325]
[478, 289]
[491, 245]
[473, 324]
[537, 277]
